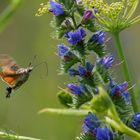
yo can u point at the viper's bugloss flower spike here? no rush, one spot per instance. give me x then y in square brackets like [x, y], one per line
[107, 61]
[99, 37]
[56, 8]
[104, 134]
[135, 122]
[75, 89]
[70, 20]
[75, 37]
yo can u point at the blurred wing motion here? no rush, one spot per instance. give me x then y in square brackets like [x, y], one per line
[9, 68]
[12, 74]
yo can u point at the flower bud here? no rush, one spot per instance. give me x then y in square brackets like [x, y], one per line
[88, 14]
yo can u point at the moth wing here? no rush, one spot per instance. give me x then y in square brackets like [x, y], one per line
[8, 64]
[9, 68]
[10, 80]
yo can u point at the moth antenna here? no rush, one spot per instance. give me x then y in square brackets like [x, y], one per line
[45, 63]
[33, 59]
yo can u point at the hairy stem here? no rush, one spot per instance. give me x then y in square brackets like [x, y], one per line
[15, 137]
[125, 70]
[72, 112]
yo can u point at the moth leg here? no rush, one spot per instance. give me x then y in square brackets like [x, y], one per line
[9, 91]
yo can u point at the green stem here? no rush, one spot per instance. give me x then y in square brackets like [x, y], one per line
[15, 137]
[123, 128]
[114, 120]
[125, 69]
[73, 112]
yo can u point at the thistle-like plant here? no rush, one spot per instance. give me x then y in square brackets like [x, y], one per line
[109, 107]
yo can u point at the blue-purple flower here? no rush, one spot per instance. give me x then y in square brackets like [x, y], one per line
[107, 61]
[56, 8]
[73, 72]
[92, 126]
[120, 90]
[91, 123]
[82, 71]
[75, 37]
[99, 37]
[64, 52]
[85, 71]
[104, 134]
[135, 122]
[76, 89]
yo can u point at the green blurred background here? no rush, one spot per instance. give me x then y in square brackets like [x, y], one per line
[26, 36]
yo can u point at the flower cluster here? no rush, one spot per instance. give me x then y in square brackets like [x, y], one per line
[78, 26]
[92, 126]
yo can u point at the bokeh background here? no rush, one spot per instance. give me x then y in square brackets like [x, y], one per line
[26, 36]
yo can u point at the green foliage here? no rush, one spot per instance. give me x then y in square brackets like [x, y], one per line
[81, 99]
[65, 98]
